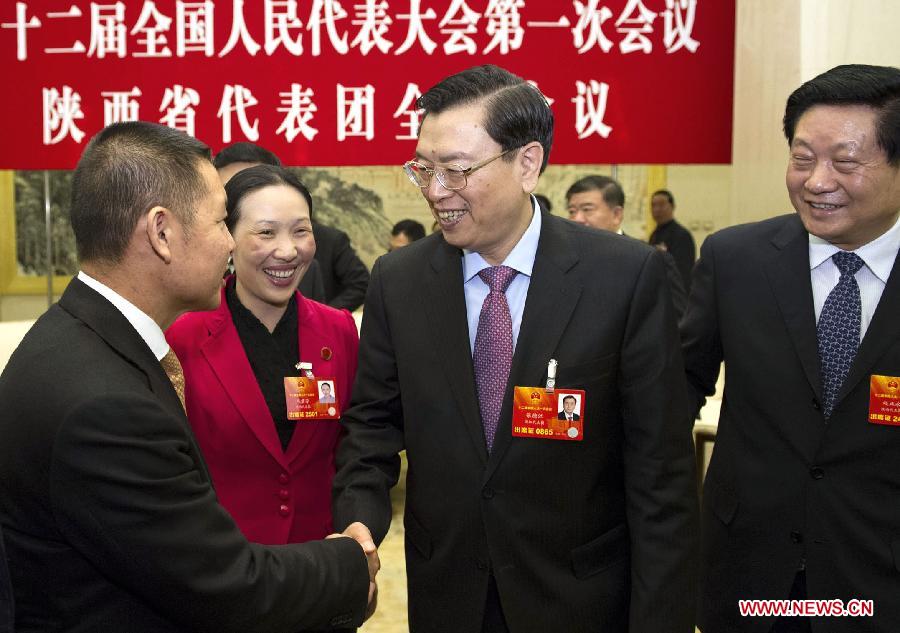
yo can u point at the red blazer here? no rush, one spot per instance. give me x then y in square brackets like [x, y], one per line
[275, 496]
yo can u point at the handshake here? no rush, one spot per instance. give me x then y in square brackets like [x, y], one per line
[361, 534]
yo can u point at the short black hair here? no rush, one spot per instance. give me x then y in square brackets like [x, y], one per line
[245, 152]
[249, 180]
[126, 170]
[853, 84]
[666, 193]
[570, 397]
[410, 228]
[613, 195]
[516, 112]
[544, 202]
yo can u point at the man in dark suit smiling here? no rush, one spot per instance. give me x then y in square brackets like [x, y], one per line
[493, 543]
[803, 310]
[107, 508]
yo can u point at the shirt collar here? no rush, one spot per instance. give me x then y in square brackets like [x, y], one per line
[146, 327]
[879, 254]
[521, 258]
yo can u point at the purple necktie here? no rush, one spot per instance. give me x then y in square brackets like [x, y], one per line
[493, 348]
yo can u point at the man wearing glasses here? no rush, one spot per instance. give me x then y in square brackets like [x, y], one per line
[505, 297]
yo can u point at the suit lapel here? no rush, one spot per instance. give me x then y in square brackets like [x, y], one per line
[111, 325]
[788, 274]
[880, 334]
[224, 352]
[310, 341]
[446, 310]
[549, 306]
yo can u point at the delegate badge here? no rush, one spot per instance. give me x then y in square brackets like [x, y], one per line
[884, 400]
[554, 415]
[311, 398]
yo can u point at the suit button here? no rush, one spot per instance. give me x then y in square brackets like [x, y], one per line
[817, 472]
[796, 537]
[816, 405]
[487, 493]
[284, 479]
[284, 510]
[284, 494]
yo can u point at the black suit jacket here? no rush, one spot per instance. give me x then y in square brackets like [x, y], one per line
[562, 416]
[680, 244]
[611, 551]
[109, 517]
[785, 488]
[344, 275]
[6, 597]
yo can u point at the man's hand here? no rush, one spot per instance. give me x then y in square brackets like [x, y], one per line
[361, 534]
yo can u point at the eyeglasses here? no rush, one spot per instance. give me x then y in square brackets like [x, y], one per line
[453, 177]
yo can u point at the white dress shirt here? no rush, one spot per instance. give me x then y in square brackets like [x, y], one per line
[878, 255]
[146, 327]
[520, 258]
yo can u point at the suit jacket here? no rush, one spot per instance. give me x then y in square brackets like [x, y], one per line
[676, 283]
[108, 515]
[7, 611]
[613, 551]
[785, 488]
[311, 285]
[344, 275]
[680, 244]
[275, 496]
[562, 416]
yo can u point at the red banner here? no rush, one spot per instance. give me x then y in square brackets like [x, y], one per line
[333, 82]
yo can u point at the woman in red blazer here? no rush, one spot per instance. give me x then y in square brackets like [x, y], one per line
[272, 474]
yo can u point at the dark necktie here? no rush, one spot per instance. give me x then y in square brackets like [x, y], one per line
[839, 327]
[172, 366]
[493, 348]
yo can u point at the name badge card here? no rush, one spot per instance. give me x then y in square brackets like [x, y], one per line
[311, 398]
[884, 400]
[550, 415]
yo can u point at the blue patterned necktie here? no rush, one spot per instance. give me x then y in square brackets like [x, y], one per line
[839, 327]
[493, 348]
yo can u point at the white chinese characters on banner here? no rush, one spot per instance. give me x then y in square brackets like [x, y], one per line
[635, 22]
[459, 23]
[375, 26]
[373, 22]
[178, 103]
[59, 114]
[356, 112]
[151, 28]
[354, 115]
[504, 25]
[121, 106]
[298, 108]
[590, 108]
[408, 114]
[237, 99]
[678, 23]
[416, 30]
[588, 31]
[108, 30]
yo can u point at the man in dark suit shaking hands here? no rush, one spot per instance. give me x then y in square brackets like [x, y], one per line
[108, 513]
[803, 309]
[453, 323]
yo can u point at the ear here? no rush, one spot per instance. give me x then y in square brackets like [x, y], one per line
[531, 157]
[160, 230]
